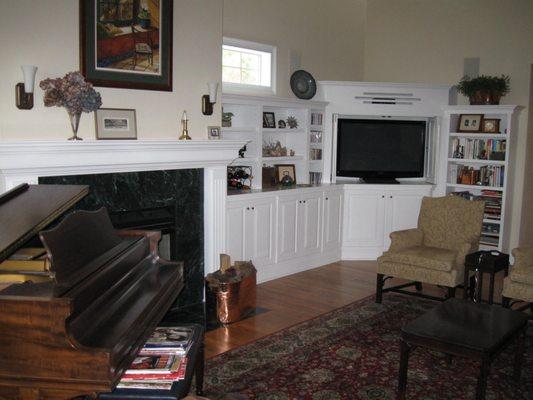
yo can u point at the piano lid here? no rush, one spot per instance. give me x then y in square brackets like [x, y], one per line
[27, 209]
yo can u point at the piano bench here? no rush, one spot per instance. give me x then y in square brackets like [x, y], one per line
[180, 389]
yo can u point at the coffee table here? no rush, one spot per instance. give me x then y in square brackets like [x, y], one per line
[461, 328]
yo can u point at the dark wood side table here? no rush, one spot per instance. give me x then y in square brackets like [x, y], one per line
[484, 262]
[465, 329]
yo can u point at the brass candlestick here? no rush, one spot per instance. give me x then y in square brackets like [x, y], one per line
[184, 131]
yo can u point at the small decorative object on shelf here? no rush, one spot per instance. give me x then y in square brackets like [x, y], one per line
[282, 124]
[239, 177]
[242, 150]
[213, 132]
[491, 125]
[274, 149]
[470, 123]
[184, 132]
[484, 89]
[73, 93]
[226, 119]
[286, 174]
[292, 122]
[144, 18]
[269, 120]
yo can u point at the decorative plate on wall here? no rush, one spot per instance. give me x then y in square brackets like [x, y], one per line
[303, 84]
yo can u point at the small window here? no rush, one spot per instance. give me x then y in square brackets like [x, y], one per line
[248, 66]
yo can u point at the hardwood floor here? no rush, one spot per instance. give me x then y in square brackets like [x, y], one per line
[299, 297]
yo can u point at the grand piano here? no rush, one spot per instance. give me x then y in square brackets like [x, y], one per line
[77, 332]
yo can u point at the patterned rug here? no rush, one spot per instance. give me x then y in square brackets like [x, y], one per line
[353, 353]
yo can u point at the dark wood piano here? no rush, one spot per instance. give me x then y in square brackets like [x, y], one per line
[76, 333]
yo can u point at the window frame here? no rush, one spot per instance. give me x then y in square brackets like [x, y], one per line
[230, 87]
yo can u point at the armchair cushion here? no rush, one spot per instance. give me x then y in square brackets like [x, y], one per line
[423, 257]
[522, 275]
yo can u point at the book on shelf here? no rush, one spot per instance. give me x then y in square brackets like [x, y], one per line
[316, 118]
[315, 154]
[492, 199]
[478, 149]
[487, 175]
[155, 364]
[26, 261]
[178, 374]
[162, 385]
[315, 178]
[165, 338]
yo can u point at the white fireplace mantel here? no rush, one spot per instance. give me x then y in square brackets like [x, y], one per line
[26, 161]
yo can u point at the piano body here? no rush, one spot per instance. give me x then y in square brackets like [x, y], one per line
[77, 333]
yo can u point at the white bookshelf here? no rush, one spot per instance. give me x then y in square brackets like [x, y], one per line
[247, 124]
[470, 156]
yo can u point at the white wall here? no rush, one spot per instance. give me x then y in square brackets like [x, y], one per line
[327, 35]
[426, 41]
[45, 33]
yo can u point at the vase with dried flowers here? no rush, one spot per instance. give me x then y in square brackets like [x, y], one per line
[73, 93]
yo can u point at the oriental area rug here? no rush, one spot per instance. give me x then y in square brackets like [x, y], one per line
[353, 353]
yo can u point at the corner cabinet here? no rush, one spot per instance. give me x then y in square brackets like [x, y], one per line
[285, 231]
[372, 212]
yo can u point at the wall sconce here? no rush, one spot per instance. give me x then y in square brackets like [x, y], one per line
[209, 99]
[24, 91]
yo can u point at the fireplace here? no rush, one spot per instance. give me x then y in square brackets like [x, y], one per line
[170, 201]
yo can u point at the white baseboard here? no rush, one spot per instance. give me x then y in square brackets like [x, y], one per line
[361, 253]
[289, 267]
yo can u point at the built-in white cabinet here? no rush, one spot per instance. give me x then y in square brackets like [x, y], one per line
[250, 227]
[332, 220]
[372, 212]
[285, 231]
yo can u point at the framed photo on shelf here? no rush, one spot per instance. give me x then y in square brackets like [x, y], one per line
[269, 120]
[213, 132]
[470, 123]
[491, 125]
[127, 44]
[285, 169]
[115, 123]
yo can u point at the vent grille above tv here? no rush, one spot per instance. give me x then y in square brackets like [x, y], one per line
[387, 98]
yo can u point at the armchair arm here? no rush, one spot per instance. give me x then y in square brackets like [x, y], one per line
[406, 238]
[523, 256]
[462, 250]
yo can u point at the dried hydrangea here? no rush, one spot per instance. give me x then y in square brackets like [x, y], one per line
[71, 92]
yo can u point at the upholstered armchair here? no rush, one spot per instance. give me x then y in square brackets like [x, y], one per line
[519, 284]
[448, 229]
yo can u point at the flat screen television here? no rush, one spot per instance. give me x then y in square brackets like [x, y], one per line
[379, 151]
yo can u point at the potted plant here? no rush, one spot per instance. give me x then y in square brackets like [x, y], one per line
[144, 18]
[484, 89]
[226, 119]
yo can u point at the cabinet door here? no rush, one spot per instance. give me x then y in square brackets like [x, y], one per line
[260, 232]
[332, 220]
[235, 227]
[309, 222]
[401, 212]
[287, 227]
[363, 218]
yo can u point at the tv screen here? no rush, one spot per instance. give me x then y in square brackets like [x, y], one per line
[380, 149]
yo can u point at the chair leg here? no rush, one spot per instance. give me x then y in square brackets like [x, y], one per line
[450, 293]
[505, 302]
[379, 288]
[418, 286]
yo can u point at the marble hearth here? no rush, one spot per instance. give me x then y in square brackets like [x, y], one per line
[138, 174]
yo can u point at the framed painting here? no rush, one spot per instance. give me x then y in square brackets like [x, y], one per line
[127, 43]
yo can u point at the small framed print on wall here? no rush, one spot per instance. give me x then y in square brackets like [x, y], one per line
[115, 123]
[470, 123]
